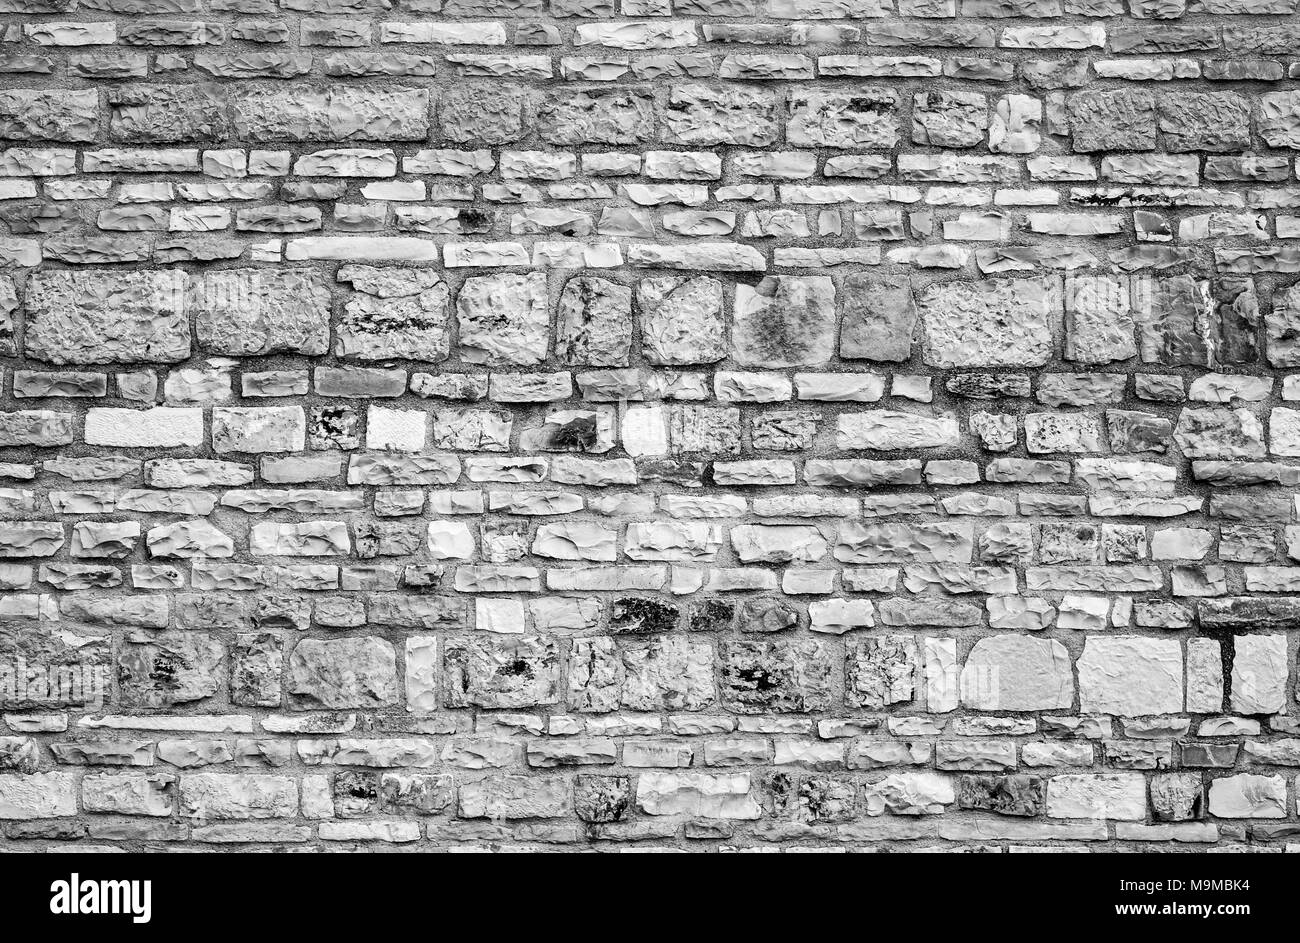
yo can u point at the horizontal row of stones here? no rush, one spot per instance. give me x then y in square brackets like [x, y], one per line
[1128, 675]
[83, 249]
[1013, 545]
[1119, 33]
[656, 212]
[655, 430]
[813, 9]
[1079, 607]
[641, 806]
[24, 168]
[684, 114]
[659, 430]
[119, 64]
[78, 249]
[508, 320]
[583, 540]
[654, 215]
[358, 795]
[518, 395]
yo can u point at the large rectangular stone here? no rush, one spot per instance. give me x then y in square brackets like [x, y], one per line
[107, 317]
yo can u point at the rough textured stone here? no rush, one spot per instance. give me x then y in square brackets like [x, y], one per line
[334, 673]
[881, 672]
[254, 311]
[169, 668]
[595, 323]
[503, 319]
[1014, 673]
[863, 120]
[879, 318]
[1130, 675]
[784, 321]
[989, 324]
[759, 676]
[92, 317]
[386, 320]
[681, 320]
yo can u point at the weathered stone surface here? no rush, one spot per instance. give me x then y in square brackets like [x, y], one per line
[881, 672]
[1101, 796]
[595, 323]
[879, 318]
[513, 797]
[1219, 433]
[949, 119]
[1130, 675]
[1112, 120]
[1248, 796]
[220, 796]
[1259, 674]
[92, 317]
[394, 323]
[864, 120]
[49, 115]
[668, 674]
[341, 113]
[341, 673]
[697, 114]
[911, 794]
[513, 672]
[503, 319]
[1098, 319]
[619, 116]
[484, 114]
[1015, 673]
[37, 795]
[169, 668]
[255, 311]
[779, 676]
[1005, 795]
[989, 324]
[784, 321]
[705, 795]
[141, 114]
[1216, 121]
[1177, 797]
[681, 320]
[890, 430]
[1174, 320]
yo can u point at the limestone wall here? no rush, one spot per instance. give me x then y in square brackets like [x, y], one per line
[711, 424]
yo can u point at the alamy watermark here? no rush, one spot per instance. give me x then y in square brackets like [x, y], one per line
[77, 896]
[42, 685]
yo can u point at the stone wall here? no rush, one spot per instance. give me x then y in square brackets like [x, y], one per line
[685, 423]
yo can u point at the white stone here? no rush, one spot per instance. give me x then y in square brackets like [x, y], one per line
[422, 668]
[450, 540]
[942, 684]
[1017, 673]
[706, 795]
[37, 795]
[1102, 796]
[493, 614]
[399, 430]
[160, 427]
[645, 430]
[1130, 675]
[837, 616]
[1248, 796]
[1259, 674]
